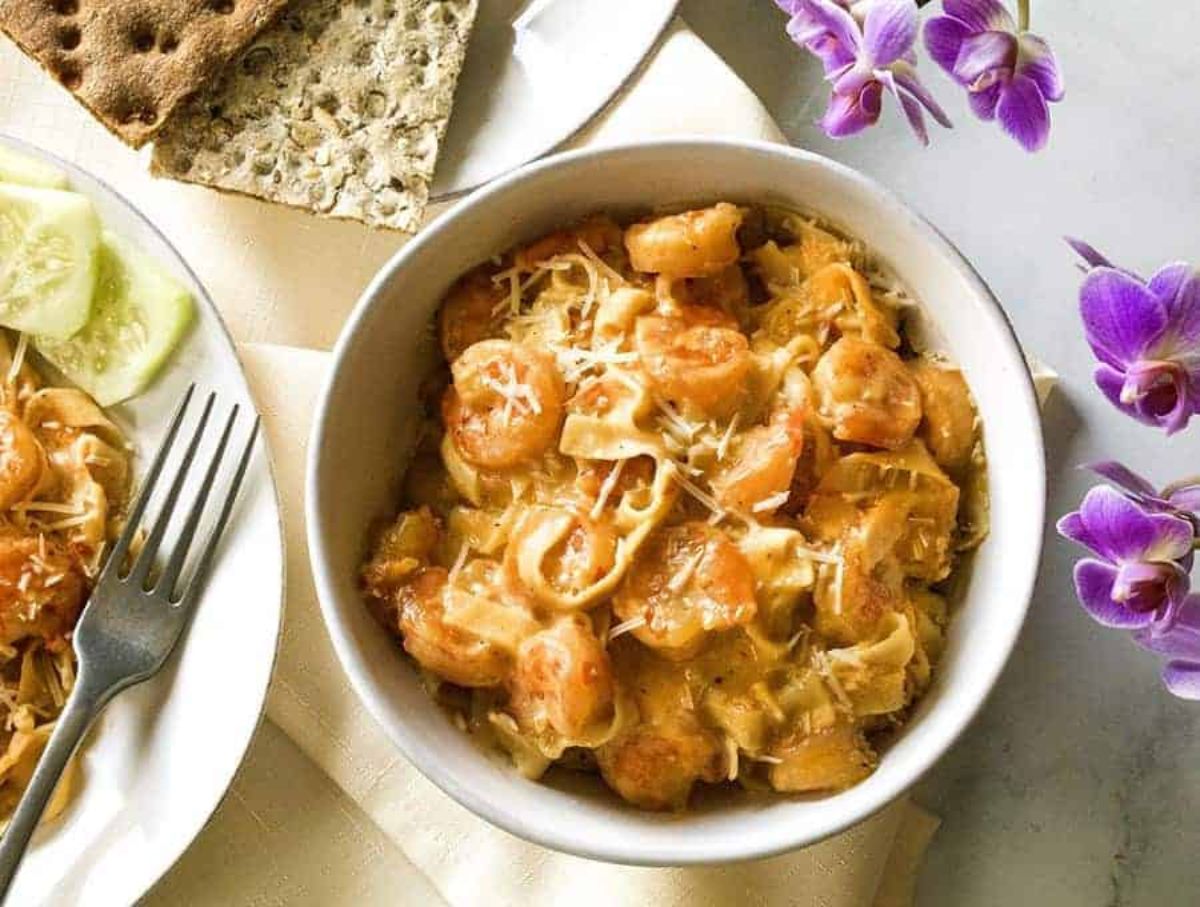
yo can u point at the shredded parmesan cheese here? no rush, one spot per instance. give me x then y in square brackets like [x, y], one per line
[626, 626]
[774, 502]
[606, 489]
[18, 357]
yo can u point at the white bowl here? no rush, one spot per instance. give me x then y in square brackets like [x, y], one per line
[364, 429]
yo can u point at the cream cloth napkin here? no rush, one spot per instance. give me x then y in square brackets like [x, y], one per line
[327, 811]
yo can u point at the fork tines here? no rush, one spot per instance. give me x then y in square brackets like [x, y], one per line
[146, 540]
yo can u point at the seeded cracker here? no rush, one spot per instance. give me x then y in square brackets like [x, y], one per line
[339, 108]
[131, 62]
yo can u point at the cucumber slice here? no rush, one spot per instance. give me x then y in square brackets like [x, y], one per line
[29, 171]
[139, 315]
[48, 245]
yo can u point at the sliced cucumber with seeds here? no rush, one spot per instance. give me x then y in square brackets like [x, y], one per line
[139, 315]
[29, 171]
[48, 252]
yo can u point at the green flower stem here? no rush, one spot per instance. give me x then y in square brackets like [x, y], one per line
[1023, 15]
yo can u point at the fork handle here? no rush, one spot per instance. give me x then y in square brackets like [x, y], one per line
[81, 709]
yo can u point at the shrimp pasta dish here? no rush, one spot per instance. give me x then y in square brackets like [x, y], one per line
[64, 480]
[686, 506]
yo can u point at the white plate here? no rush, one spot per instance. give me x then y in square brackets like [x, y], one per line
[165, 752]
[537, 71]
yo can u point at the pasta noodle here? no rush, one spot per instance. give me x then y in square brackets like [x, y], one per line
[64, 482]
[685, 506]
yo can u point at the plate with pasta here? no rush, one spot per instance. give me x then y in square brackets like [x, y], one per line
[690, 500]
[96, 351]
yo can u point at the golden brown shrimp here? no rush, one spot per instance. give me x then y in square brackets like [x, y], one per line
[403, 547]
[458, 655]
[948, 427]
[599, 233]
[853, 597]
[762, 466]
[468, 313]
[559, 556]
[22, 460]
[655, 766]
[42, 589]
[689, 581]
[827, 760]
[697, 243]
[505, 405]
[563, 680]
[698, 360]
[866, 394]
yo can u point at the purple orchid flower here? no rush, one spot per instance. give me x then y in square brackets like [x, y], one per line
[1181, 644]
[1140, 578]
[1011, 74]
[866, 48]
[1180, 498]
[1146, 335]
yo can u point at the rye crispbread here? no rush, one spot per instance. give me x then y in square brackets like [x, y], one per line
[131, 62]
[338, 108]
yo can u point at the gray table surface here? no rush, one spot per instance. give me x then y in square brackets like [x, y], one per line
[1079, 784]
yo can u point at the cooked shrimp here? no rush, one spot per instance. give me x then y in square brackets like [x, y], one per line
[866, 394]
[505, 405]
[699, 360]
[453, 653]
[697, 243]
[42, 590]
[22, 460]
[468, 313]
[599, 234]
[563, 680]
[403, 547]
[853, 597]
[726, 290]
[559, 556]
[948, 427]
[689, 581]
[762, 466]
[655, 766]
[827, 760]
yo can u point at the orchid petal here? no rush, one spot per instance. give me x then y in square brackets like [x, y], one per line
[1185, 497]
[1126, 479]
[835, 20]
[791, 7]
[1093, 584]
[1112, 383]
[943, 39]
[983, 55]
[1121, 317]
[984, 102]
[980, 15]
[909, 82]
[1088, 253]
[1178, 286]
[1120, 531]
[1037, 61]
[849, 114]
[1181, 639]
[889, 30]
[1155, 587]
[1161, 390]
[1182, 679]
[912, 110]
[1023, 113]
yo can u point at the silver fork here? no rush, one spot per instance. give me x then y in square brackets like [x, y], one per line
[131, 623]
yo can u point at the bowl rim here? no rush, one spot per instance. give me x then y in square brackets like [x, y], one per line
[558, 835]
